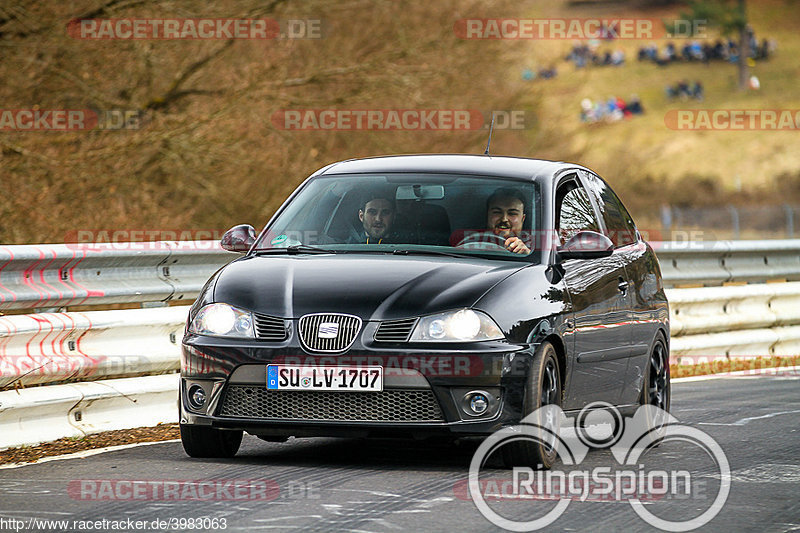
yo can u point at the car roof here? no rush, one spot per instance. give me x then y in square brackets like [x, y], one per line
[484, 165]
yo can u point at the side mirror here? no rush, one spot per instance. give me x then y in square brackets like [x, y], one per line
[586, 245]
[239, 238]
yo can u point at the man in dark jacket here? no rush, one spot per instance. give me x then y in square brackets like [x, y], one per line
[377, 215]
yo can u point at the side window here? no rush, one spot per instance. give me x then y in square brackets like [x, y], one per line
[621, 229]
[574, 211]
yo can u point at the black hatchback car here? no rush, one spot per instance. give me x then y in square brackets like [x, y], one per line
[426, 295]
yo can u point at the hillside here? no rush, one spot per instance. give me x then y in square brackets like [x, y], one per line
[647, 161]
[207, 154]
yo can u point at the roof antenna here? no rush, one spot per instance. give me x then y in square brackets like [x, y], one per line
[491, 128]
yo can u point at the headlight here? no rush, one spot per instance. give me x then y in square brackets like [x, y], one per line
[222, 320]
[456, 326]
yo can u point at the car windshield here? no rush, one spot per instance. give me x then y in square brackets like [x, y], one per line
[409, 214]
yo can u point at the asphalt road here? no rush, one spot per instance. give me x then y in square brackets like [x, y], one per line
[385, 486]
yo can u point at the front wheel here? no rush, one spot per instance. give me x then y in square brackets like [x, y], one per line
[208, 442]
[543, 387]
[656, 389]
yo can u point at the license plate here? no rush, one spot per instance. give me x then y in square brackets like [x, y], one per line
[325, 378]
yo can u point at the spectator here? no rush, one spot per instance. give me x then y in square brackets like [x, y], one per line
[763, 52]
[635, 105]
[686, 52]
[696, 51]
[683, 90]
[623, 107]
[587, 111]
[669, 52]
[697, 91]
[707, 52]
[613, 112]
[548, 73]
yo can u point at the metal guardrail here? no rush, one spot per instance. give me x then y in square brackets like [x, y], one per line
[53, 276]
[718, 262]
[59, 347]
[42, 414]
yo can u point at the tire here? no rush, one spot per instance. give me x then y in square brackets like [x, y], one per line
[208, 442]
[543, 387]
[656, 389]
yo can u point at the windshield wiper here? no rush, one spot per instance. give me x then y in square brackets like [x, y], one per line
[427, 252]
[296, 249]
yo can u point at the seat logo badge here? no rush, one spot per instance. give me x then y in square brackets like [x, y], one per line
[328, 330]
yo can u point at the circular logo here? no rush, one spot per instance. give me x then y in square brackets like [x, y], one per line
[599, 425]
[305, 382]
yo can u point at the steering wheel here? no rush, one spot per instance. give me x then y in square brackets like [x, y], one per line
[482, 240]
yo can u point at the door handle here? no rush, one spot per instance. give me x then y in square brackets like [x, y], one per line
[622, 286]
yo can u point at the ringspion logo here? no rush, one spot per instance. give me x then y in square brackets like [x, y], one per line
[630, 476]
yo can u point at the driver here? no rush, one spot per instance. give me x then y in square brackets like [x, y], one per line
[377, 215]
[505, 214]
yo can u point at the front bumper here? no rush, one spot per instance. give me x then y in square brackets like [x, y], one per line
[423, 395]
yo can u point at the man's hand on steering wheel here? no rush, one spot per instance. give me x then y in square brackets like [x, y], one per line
[515, 244]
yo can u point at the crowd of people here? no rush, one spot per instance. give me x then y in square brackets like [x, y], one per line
[719, 50]
[588, 53]
[545, 73]
[612, 110]
[583, 54]
[684, 91]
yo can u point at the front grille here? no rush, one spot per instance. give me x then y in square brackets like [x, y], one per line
[341, 328]
[395, 330]
[401, 405]
[270, 328]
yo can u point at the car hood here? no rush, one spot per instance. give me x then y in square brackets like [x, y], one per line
[374, 287]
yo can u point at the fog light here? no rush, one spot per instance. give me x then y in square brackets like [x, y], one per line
[197, 396]
[478, 403]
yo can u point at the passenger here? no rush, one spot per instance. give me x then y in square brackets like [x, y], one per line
[377, 215]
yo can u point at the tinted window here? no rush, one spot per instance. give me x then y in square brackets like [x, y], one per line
[574, 211]
[620, 226]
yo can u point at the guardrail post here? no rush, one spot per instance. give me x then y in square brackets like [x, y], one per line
[666, 220]
[789, 221]
[734, 220]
